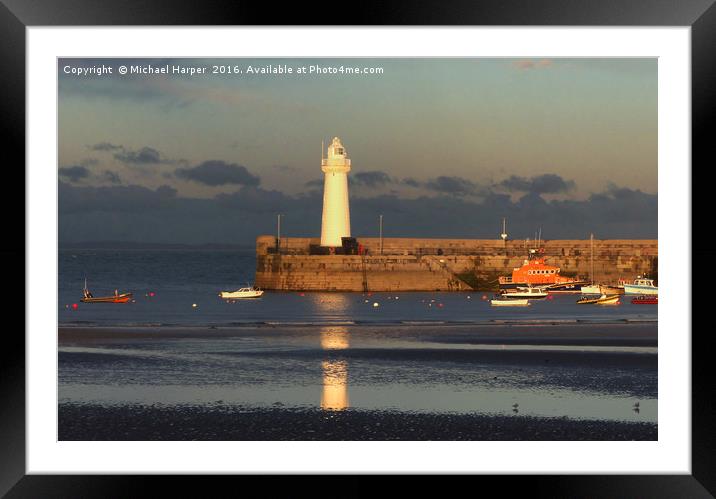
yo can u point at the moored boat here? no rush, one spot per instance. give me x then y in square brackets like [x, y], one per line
[602, 289]
[601, 300]
[249, 292]
[592, 289]
[535, 272]
[646, 300]
[525, 292]
[566, 287]
[87, 297]
[118, 298]
[641, 286]
[612, 290]
[608, 300]
[509, 303]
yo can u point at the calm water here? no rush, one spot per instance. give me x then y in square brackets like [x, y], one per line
[416, 352]
[181, 278]
[428, 369]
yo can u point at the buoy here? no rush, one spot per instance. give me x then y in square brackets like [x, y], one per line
[151, 293]
[67, 306]
[74, 306]
[550, 297]
[396, 297]
[440, 305]
[193, 305]
[484, 297]
[376, 304]
[301, 294]
[468, 297]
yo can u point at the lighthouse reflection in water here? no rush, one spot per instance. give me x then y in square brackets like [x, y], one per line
[334, 396]
[335, 372]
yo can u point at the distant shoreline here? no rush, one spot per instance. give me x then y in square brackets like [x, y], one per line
[122, 245]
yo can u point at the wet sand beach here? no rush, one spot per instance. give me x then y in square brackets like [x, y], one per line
[539, 381]
[94, 422]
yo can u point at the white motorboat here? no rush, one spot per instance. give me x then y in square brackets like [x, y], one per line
[510, 303]
[241, 293]
[529, 293]
[641, 286]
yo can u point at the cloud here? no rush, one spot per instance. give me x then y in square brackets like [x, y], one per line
[74, 173]
[143, 156]
[527, 64]
[104, 146]
[215, 173]
[133, 213]
[411, 182]
[89, 162]
[371, 178]
[456, 186]
[452, 185]
[316, 183]
[285, 168]
[548, 183]
[117, 199]
[111, 177]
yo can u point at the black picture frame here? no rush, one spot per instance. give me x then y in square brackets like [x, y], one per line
[17, 15]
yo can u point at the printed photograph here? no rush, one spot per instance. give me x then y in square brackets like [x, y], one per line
[355, 249]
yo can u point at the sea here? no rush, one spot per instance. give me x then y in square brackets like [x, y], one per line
[182, 286]
[178, 345]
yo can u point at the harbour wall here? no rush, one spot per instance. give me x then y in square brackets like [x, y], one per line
[406, 264]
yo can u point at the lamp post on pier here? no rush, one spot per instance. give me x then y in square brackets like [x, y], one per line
[380, 224]
[278, 233]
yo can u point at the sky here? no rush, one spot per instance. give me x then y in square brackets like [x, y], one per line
[440, 147]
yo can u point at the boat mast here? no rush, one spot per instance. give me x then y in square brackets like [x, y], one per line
[591, 257]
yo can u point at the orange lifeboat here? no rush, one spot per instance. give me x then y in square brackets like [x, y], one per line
[535, 272]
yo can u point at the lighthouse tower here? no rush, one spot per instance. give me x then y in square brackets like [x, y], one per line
[336, 221]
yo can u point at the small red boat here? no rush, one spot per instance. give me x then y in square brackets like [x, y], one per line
[87, 297]
[646, 300]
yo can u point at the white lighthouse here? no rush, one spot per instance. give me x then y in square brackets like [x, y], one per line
[336, 221]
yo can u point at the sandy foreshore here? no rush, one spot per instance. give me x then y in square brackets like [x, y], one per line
[573, 381]
[94, 422]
